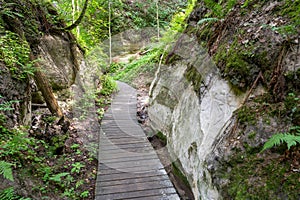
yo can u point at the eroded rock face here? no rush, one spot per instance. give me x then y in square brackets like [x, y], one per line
[60, 60]
[16, 91]
[192, 114]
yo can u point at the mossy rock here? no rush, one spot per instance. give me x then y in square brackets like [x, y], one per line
[193, 76]
[252, 177]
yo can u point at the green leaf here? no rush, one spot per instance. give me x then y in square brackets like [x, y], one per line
[5, 169]
[204, 20]
[57, 177]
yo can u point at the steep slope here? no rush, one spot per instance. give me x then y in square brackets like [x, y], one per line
[42, 155]
[229, 83]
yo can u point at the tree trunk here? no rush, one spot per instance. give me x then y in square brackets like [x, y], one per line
[77, 22]
[46, 89]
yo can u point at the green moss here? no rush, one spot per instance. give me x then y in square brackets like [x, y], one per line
[292, 105]
[291, 9]
[162, 137]
[252, 135]
[246, 115]
[165, 97]
[177, 172]
[193, 76]
[256, 178]
[235, 66]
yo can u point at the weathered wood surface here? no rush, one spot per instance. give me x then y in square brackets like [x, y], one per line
[128, 165]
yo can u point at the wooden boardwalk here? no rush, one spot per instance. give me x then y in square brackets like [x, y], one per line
[128, 165]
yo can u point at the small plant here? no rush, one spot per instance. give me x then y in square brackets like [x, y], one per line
[6, 106]
[288, 138]
[57, 177]
[85, 194]
[49, 119]
[75, 146]
[76, 167]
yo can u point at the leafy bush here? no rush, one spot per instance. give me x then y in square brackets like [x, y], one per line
[15, 54]
[108, 85]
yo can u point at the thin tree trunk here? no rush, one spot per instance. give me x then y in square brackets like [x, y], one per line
[46, 89]
[109, 32]
[78, 9]
[157, 19]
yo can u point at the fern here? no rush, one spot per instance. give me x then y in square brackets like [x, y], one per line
[277, 139]
[5, 169]
[204, 20]
[7, 194]
[57, 177]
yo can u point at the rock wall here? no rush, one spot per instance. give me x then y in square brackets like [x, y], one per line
[58, 60]
[215, 117]
[18, 92]
[192, 118]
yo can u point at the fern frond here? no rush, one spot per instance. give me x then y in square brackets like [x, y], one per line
[7, 194]
[5, 169]
[295, 129]
[277, 139]
[204, 20]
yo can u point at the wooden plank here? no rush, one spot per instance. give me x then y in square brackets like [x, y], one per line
[137, 170]
[136, 187]
[133, 158]
[151, 165]
[173, 196]
[127, 175]
[133, 180]
[135, 194]
[126, 146]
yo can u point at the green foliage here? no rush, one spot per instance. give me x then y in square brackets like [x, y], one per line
[178, 23]
[255, 178]
[246, 115]
[220, 9]
[84, 194]
[292, 105]
[8, 194]
[125, 15]
[205, 20]
[108, 85]
[288, 138]
[6, 9]
[57, 177]
[15, 54]
[114, 67]
[291, 9]
[6, 106]
[76, 167]
[6, 171]
[149, 59]
[14, 143]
